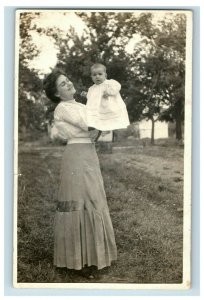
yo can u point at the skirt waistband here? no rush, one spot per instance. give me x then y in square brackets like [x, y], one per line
[80, 141]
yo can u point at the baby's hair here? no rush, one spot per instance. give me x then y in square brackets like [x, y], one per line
[95, 66]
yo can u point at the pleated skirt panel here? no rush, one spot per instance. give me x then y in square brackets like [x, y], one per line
[83, 231]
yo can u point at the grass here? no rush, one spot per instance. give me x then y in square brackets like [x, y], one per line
[144, 189]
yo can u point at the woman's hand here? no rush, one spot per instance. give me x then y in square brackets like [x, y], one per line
[93, 134]
[83, 94]
[56, 136]
[105, 133]
[91, 128]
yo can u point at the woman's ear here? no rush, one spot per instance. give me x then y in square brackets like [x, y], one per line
[57, 94]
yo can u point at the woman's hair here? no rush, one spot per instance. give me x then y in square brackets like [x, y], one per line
[97, 65]
[49, 84]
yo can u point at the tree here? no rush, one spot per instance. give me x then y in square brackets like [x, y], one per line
[31, 109]
[104, 40]
[98, 44]
[160, 72]
[176, 41]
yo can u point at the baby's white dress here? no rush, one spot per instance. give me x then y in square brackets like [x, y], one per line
[106, 113]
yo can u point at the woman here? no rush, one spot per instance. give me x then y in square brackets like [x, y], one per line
[83, 232]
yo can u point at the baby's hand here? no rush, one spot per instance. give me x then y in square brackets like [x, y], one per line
[83, 94]
[105, 95]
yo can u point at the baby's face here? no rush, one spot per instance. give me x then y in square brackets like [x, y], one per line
[98, 75]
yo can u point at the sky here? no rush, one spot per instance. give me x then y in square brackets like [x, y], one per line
[48, 53]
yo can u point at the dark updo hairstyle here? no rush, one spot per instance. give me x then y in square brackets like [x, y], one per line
[49, 84]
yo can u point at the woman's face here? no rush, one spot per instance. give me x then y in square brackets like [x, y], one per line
[65, 88]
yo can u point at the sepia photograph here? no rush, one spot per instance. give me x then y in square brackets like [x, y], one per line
[102, 159]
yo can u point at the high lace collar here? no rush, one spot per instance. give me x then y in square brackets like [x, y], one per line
[96, 85]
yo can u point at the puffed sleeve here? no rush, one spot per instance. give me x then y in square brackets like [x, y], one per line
[112, 87]
[71, 115]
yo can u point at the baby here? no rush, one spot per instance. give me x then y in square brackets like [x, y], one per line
[106, 109]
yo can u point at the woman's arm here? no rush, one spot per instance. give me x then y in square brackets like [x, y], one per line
[70, 115]
[56, 133]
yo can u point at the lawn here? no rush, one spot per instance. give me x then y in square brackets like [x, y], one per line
[144, 187]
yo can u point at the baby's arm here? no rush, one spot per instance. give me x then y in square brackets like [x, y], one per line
[112, 88]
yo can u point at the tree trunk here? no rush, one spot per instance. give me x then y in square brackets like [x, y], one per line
[23, 132]
[179, 119]
[178, 129]
[48, 129]
[114, 136]
[152, 131]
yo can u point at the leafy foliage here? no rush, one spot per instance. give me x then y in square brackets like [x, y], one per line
[31, 108]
